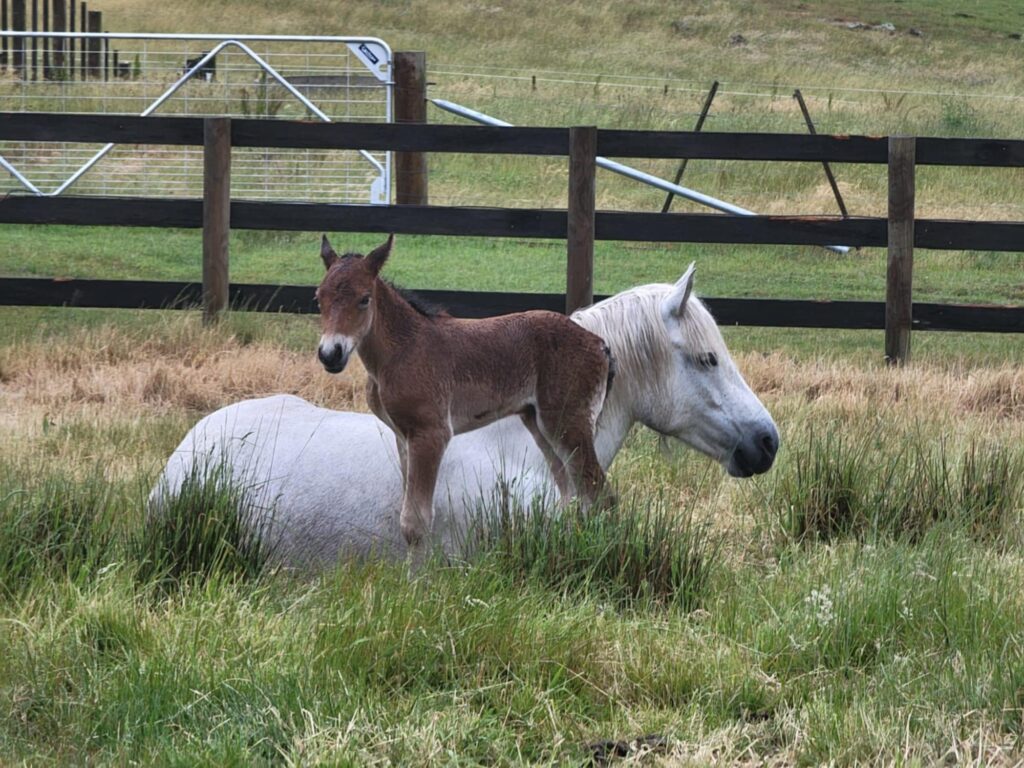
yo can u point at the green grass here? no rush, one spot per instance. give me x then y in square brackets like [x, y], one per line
[516, 265]
[843, 653]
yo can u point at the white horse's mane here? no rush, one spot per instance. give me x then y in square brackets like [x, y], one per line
[631, 322]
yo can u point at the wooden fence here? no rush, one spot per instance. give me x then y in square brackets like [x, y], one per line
[55, 58]
[580, 224]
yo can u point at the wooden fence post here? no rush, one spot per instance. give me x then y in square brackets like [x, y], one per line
[579, 275]
[410, 107]
[216, 214]
[71, 40]
[47, 74]
[93, 62]
[60, 24]
[35, 41]
[83, 43]
[5, 58]
[899, 303]
[18, 22]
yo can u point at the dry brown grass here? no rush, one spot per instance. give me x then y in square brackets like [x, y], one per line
[150, 387]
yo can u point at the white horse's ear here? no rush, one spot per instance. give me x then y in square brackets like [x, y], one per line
[675, 303]
[327, 253]
[376, 258]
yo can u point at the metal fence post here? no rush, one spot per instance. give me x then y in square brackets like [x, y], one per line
[900, 266]
[410, 107]
[216, 214]
[579, 277]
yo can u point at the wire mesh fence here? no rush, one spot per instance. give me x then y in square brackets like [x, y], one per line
[267, 77]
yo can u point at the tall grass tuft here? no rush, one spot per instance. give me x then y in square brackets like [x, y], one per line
[898, 487]
[204, 529]
[821, 497]
[52, 524]
[634, 552]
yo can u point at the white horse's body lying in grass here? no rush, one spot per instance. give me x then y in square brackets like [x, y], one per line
[326, 484]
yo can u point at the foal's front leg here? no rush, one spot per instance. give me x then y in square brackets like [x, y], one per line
[425, 449]
[374, 401]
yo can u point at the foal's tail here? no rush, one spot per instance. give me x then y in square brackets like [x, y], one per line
[611, 369]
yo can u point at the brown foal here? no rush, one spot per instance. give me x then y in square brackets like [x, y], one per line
[431, 376]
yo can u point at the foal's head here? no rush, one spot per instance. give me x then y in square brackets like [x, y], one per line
[346, 297]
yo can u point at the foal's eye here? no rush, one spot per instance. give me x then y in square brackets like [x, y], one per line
[364, 302]
[708, 360]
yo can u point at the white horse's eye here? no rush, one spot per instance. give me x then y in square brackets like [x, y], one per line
[707, 360]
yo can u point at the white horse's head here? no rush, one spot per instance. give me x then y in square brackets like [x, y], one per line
[681, 379]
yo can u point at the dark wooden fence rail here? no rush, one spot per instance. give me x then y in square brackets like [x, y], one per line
[579, 224]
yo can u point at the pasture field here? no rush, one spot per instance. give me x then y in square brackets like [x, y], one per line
[859, 604]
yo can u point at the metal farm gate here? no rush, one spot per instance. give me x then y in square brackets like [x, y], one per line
[257, 76]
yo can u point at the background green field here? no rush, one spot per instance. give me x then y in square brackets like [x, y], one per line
[860, 604]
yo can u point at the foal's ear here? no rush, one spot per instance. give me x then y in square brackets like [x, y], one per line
[675, 303]
[327, 253]
[375, 259]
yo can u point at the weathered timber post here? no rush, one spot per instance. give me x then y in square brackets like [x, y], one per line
[71, 40]
[35, 40]
[899, 303]
[410, 73]
[18, 43]
[579, 274]
[83, 43]
[5, 59]
[46, 41]
[60, 24]
[94, 45]
[216, 214]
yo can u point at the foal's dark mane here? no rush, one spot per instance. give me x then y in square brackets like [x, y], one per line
[417, 302]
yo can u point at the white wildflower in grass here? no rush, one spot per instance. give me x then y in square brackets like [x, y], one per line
[822, 608]
[905, 611]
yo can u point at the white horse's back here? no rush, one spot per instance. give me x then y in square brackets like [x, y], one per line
[325, 484]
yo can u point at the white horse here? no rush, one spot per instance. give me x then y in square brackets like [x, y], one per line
[326, 484]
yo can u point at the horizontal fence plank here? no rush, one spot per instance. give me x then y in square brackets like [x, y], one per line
[101, 211]
[120, 129]
[870, 315]
[400, 137]
[720, 228]
[945, 235]
[978, 152]
[968, 317]
[400, 219]
[709, 145]
[510, 222]
[524, 140]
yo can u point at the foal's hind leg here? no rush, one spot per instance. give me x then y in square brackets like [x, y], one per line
[572, 435]
[583, 464]
[555, 463]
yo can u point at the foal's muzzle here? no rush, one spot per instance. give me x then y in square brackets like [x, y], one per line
[755, 454]
[333, 357]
